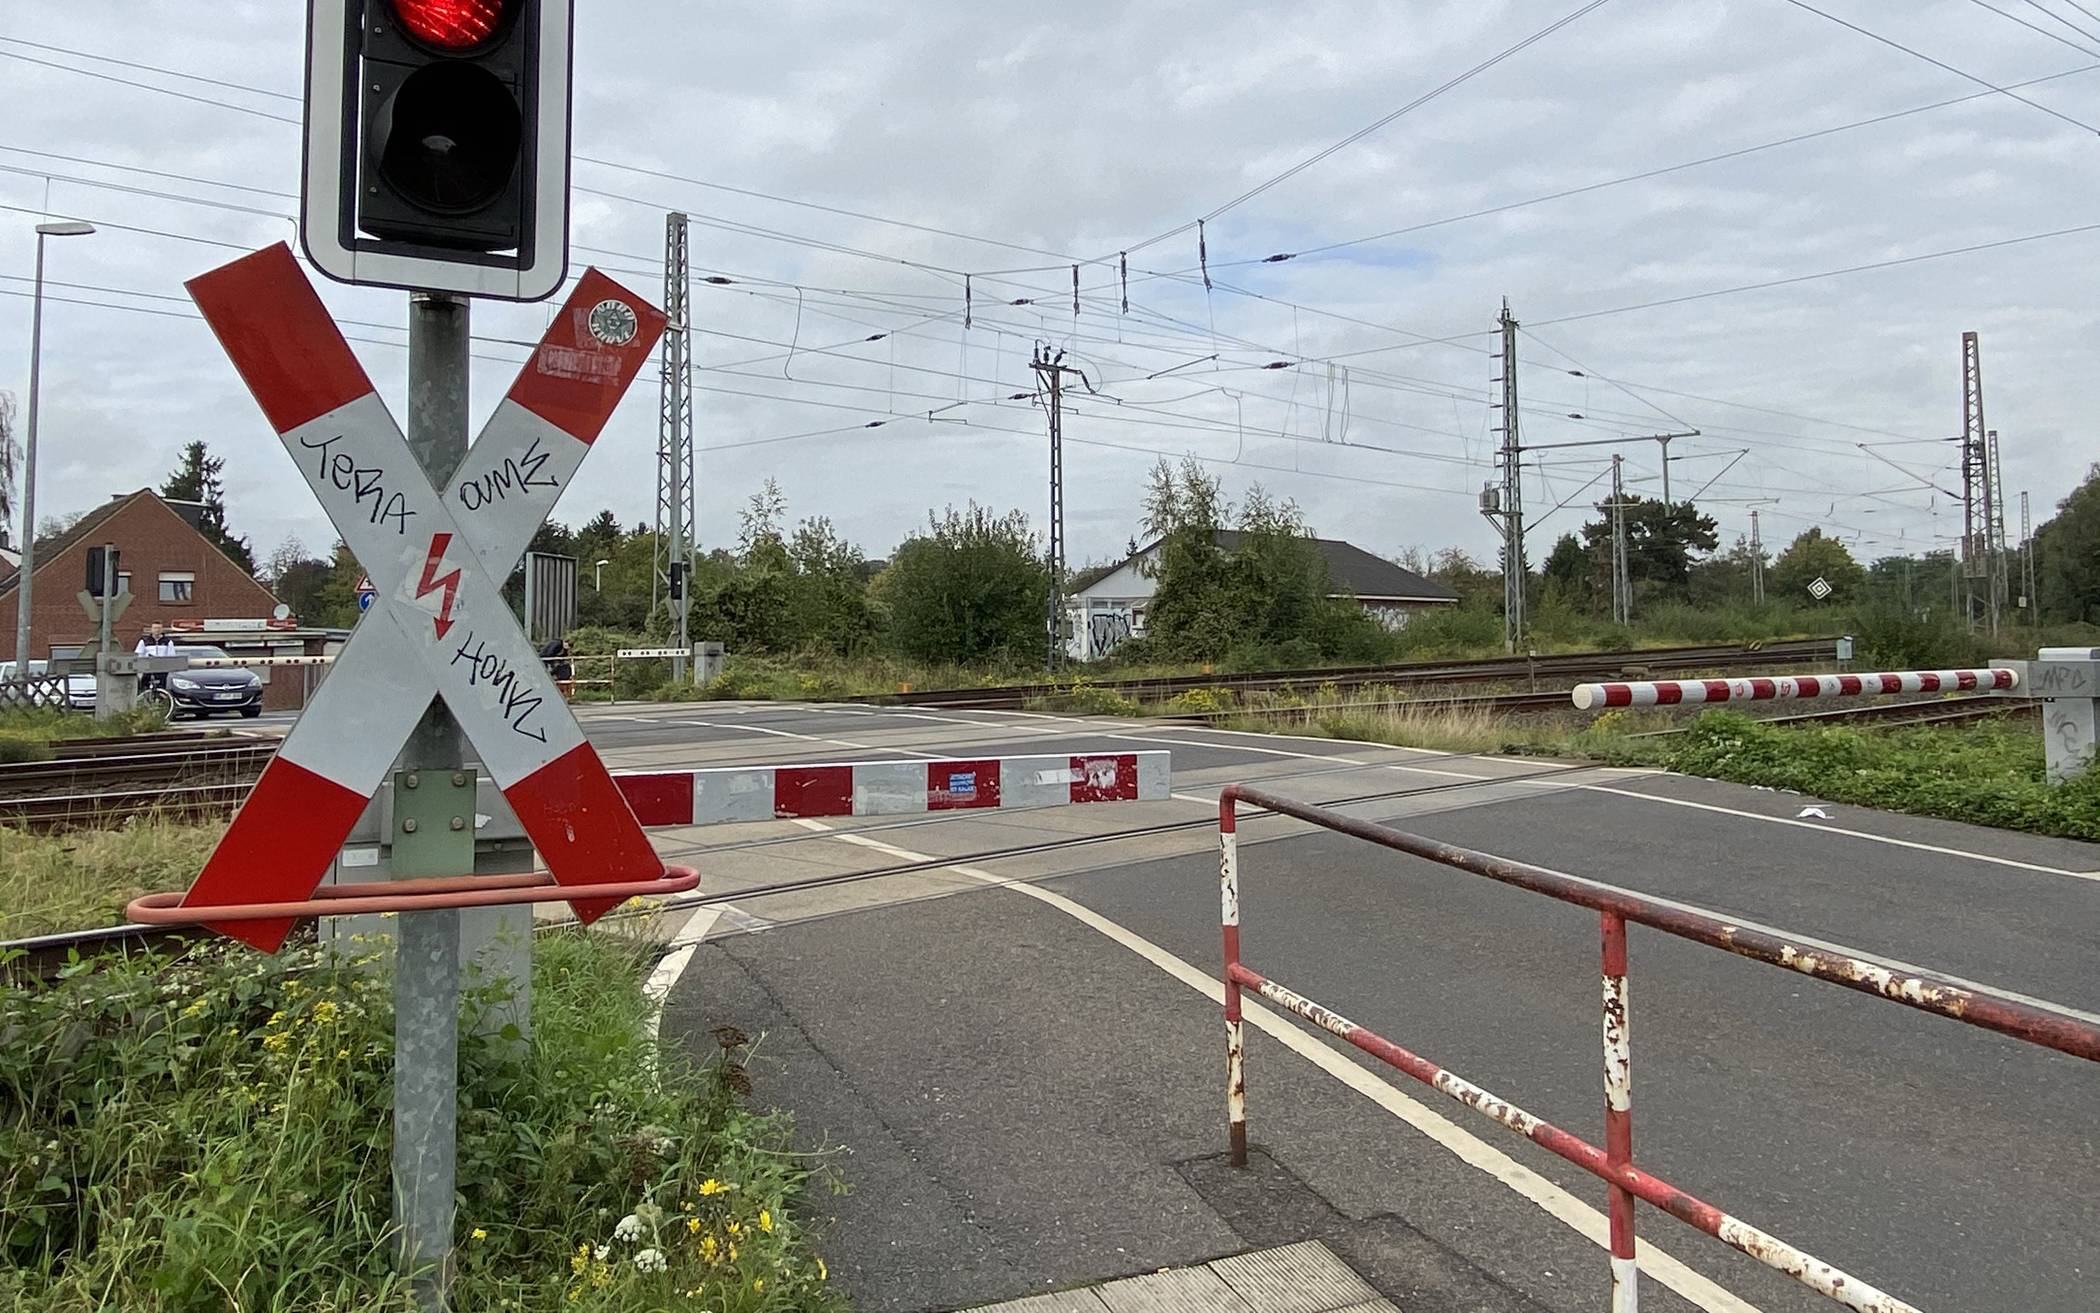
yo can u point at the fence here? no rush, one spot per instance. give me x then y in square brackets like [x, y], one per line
[37, 691]
[1614, 1162]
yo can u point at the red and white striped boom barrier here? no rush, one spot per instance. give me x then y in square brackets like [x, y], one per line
[1671, 692]
[891, 788]
[1616, 909]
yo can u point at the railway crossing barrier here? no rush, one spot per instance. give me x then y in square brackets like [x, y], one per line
[1674, 692]
[1616, 909]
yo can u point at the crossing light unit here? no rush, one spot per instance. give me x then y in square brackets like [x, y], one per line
[437, 144]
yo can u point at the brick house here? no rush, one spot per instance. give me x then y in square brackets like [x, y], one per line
[177, 579]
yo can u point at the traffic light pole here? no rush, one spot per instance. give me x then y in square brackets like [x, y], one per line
[427, 950]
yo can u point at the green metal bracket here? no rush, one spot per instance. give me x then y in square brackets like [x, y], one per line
[433, 823]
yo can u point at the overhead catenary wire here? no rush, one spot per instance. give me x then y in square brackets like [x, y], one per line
[1942, 64]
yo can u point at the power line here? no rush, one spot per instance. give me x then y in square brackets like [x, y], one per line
[147, 86]
[1647, 174]
[2053, 36]
[2037, 4]
[1377, 124]
[1961, 73]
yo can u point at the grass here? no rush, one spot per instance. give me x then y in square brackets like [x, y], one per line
[1988, 773]
[214, 1133]
[83, 878]
[29, 735]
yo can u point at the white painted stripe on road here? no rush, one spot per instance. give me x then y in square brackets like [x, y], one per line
[1869, 836]
[673, 964]
[1470, 1149]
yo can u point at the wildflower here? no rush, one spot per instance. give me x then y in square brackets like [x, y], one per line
[734, 1227]
[477, 1234]
[601, 1274]
[580, 1260]
[687, 1205]
[711, 1186]
[600, 1252]
[692, 1226]
[197, 1008]
[758, 1283]
[278, 1041]
[650, 1260]
[823, 1272]
[342, 1053]
[629, 1229]
[324, 1011]
[276, 1019]
[708, 1247]
[765, 1221]
[732, 1251]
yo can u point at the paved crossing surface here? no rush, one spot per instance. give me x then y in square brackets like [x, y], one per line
[1017, 1058]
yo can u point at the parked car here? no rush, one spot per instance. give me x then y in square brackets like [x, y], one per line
[36, 668]
[213, 689]
[80, 691]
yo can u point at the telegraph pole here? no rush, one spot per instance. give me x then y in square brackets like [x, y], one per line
[1621, 580]
[676, 520]
[1050, 371]
[1757, 562]
[1994, 529]
[1975, 486]
[2027, 590]
[1510, 507]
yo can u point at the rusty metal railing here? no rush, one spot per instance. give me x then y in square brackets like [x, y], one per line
[1614, 1162]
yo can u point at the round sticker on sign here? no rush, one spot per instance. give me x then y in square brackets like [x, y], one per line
[613, 322]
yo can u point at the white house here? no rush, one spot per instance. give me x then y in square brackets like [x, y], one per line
[1110, 609]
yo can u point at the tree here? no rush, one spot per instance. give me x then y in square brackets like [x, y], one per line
[2067, 556]
[1660, 541]
[1268, 597]
[968, 591]
[1813, 556]
[196, 478]
[1568, 575]
[1724, 578]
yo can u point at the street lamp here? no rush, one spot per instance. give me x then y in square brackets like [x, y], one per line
[67, 228]
[598, 576]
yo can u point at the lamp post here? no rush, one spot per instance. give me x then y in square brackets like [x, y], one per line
[598, 576]
[71, 228]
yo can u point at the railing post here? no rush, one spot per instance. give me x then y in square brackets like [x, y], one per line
[1618, 1114]
[1235, 1041]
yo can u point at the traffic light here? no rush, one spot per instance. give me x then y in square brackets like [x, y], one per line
[99, 573]
[437, 144]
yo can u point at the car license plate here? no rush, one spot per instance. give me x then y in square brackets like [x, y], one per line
[229, 697]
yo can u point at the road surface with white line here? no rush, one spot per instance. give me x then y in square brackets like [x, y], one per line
[1026, 1081]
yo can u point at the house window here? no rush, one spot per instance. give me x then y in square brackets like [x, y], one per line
[178, 587]
[123, 582]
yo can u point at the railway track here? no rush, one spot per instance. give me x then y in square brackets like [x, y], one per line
[1572, 667]
[98, 781]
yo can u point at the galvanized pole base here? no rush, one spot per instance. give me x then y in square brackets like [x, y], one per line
[427, 957]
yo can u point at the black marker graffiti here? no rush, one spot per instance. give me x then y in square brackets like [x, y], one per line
[518, 701]
[1107, 630]
[518, 475]
[363, 482]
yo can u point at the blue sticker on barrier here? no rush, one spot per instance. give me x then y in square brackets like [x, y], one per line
[963, 785]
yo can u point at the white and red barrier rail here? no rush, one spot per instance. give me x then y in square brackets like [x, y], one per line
[1671, 692]
[891, 788]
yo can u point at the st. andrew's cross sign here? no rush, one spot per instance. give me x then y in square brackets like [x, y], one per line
[439, 624]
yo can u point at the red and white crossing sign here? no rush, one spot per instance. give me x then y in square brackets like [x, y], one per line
[439, 624]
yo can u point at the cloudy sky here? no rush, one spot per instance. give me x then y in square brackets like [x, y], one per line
[848, 168]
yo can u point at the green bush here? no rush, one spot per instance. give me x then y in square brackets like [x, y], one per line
[215, 1133]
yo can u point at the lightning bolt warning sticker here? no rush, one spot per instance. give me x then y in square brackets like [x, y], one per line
[433, 581]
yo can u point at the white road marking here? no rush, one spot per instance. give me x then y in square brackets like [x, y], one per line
[673, 963]
[1558, 1203]
[1889, 839]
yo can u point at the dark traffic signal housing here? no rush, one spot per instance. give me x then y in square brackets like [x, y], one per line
[437, 152]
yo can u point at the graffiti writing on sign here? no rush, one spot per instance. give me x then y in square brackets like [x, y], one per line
[518, 475]
[516, 699]
[578, 364]
[2061, 679]
[1106, 631]
[364, 483]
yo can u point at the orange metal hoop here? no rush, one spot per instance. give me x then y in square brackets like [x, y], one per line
[410, 896]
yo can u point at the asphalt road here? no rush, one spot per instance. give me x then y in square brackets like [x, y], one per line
[1024, 1081]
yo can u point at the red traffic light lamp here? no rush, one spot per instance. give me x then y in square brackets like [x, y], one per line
[437, 144]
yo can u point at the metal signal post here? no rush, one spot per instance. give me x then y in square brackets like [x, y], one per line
[1050, 371]
[676, 500]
